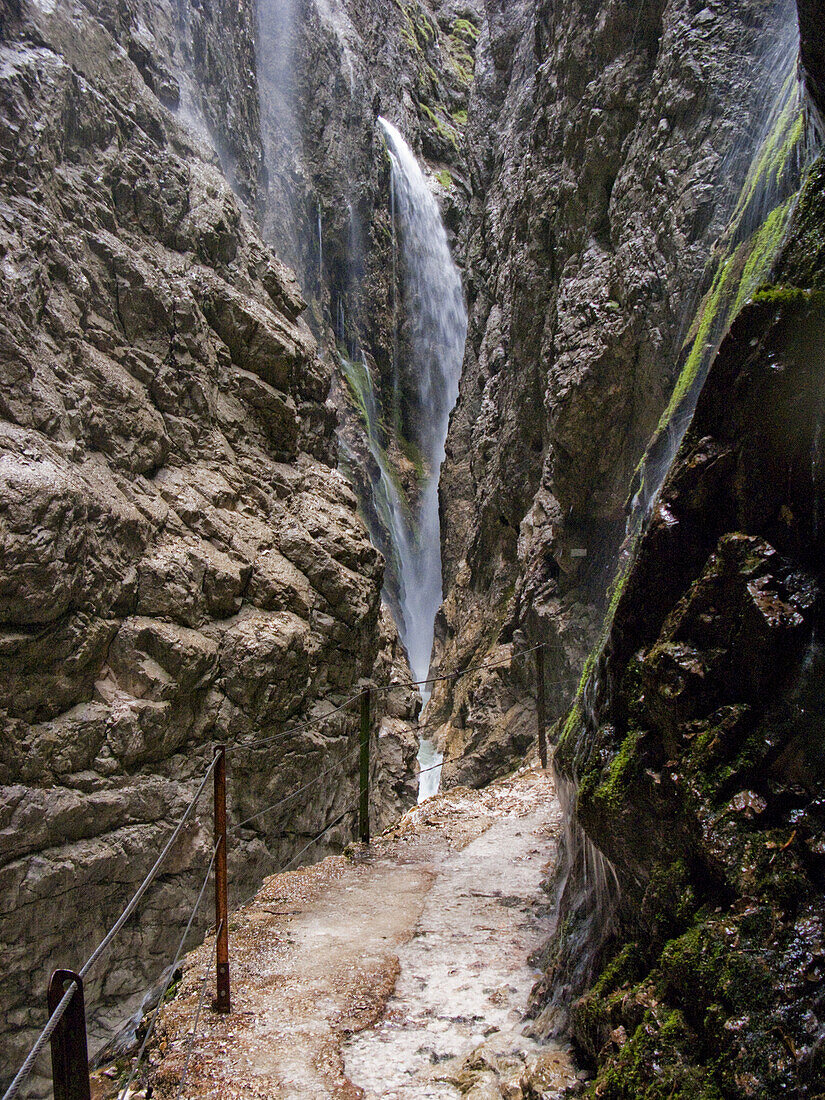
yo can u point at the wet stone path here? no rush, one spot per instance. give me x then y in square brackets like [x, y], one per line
[400, 973]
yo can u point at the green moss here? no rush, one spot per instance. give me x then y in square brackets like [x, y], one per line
[707, 965]
[783, 295]
[459, 118]
[412, 453]
[610, 794]
[743, 264]
[763, 247]
[463, 28]
[445, 129]
[776, 154]
[571, 730]
[670, 900]
[445, 179]
[657, 1063]
[463, 66]
[709, 323]
[626, 967]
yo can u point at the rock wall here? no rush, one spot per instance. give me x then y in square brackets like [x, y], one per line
[698, 749]
[181, 562]
[607, 145]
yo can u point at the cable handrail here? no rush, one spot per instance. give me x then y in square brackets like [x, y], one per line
[351, 806]
[47, 1032]
[42, 1039]
[201, 999]
[147, 882]
[495, 662]
[172, 968]
[314, 720]
[295, 793]
[302, 725]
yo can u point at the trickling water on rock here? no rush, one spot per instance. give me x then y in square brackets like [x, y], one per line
[742, 259]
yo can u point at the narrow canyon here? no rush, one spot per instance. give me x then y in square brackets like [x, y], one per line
[414, 409]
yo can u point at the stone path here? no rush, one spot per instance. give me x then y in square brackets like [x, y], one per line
[400, 973]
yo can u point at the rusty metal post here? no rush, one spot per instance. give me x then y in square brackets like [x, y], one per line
[222, 1002]
[541, 709]
[70, 1055]
[364, 810]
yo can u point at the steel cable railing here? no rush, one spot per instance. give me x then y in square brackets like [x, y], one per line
[298, 727]
[198, 1011]
[147, 882]
[315, 839]
[42, 1039]
[205, 981]
[294, 794]
[495, 662]
[150, 1030]
[28, 1065]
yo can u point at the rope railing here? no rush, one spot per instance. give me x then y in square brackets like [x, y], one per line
[147, 882]
[69, 1055]
[42, 1039]
[315, 839]
[495, 662]
[205, 979]
[294, 794]
[301, 725]
[45, 1036]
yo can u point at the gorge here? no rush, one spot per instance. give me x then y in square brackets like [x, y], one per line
[351, 343]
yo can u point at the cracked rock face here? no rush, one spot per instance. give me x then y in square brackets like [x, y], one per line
[606, 148]
[180, 563]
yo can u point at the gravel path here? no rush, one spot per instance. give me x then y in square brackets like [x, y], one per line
[399, 972]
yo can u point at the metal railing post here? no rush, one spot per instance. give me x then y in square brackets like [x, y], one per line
[541, 709]
[222, 1002]
[70, 1055]
[364, 809]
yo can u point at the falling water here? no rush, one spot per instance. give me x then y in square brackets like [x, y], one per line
[396, 393]
[742, 261]
[437, 322]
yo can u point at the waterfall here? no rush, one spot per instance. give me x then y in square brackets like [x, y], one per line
[437, 323]
[320, 249]
[437, 320]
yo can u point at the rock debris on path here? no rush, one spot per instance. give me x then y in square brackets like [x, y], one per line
[399, 972]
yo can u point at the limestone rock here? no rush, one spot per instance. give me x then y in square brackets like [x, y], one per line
[180, 563]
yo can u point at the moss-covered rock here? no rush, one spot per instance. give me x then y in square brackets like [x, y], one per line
[700, 764]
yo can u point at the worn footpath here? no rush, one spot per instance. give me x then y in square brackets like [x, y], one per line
[400, 971]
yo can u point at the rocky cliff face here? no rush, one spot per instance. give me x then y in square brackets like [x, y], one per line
[607, 148]
[181, 563]
[698, 751]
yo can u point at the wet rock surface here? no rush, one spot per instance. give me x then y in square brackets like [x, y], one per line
[181, 563]
[698, 747]
[327, 71]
